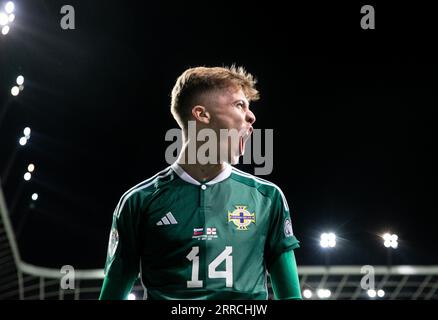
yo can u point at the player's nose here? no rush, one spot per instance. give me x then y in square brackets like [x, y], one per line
[250, 117]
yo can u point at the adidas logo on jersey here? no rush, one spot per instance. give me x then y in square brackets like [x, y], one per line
[167, 219]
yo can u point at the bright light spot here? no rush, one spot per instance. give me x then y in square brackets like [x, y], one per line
[27, 176]
[9, 7]
[35, 196]
[11, 17]
[4, 19]
[20, 80]
[22, 141]
[372, 293]
[131, 296]
[15, 91]
[26, 132]
[307, 294]
[328, 240]
[324, 293]
[31, 167]
[5, 30]
[390, 240]
[380, 293]
[406, 270]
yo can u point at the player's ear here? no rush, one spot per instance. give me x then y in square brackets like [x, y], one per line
[201, 114]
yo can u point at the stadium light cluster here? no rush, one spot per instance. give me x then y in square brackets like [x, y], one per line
[326, 293]
[328, 240]
[16, 89]
[30, 170]
[373, 293]
[7, 16]
[323, 293]
[390, 240]
[23, 140]
[320, 293]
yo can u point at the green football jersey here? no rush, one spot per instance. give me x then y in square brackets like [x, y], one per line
[192, 240]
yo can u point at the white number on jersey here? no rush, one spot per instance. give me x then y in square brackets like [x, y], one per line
[212, 272]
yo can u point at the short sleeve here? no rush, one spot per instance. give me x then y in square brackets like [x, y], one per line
[123, 256]
[281, 237]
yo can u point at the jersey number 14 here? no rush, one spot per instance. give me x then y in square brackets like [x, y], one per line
[212, 272]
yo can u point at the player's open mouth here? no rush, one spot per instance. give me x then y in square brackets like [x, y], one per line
[243, 138]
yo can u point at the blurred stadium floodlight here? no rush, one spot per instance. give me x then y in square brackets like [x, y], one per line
[9, 7]
[4, 19]
[31, 167]
[373, 293]
[328, 240]
[5, 30]
[15, 91]
[26, 132]
[7, 17]
[27, 176]
[390, 240]
[22, 142]
[323, 293]
[20, 80]
[307, 293]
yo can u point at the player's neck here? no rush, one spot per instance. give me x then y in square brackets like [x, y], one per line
[199, 172]
[203, 172]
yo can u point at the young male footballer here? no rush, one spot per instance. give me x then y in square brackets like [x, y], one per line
[205, 230]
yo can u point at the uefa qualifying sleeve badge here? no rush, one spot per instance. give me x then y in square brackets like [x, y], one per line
[288, 232]
[113, 242]
[241, 217]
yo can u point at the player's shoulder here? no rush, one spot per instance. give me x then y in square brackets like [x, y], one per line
[139, 193]
[264, 186]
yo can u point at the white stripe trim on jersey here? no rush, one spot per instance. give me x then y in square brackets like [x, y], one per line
[262, 181]
[141, 183]
[139, 187]
[224, 174]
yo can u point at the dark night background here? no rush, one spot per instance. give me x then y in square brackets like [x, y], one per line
[352, 113]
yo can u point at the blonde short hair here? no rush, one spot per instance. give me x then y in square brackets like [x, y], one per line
[195, 81]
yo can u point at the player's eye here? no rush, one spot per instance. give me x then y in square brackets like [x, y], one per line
[240, 105]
